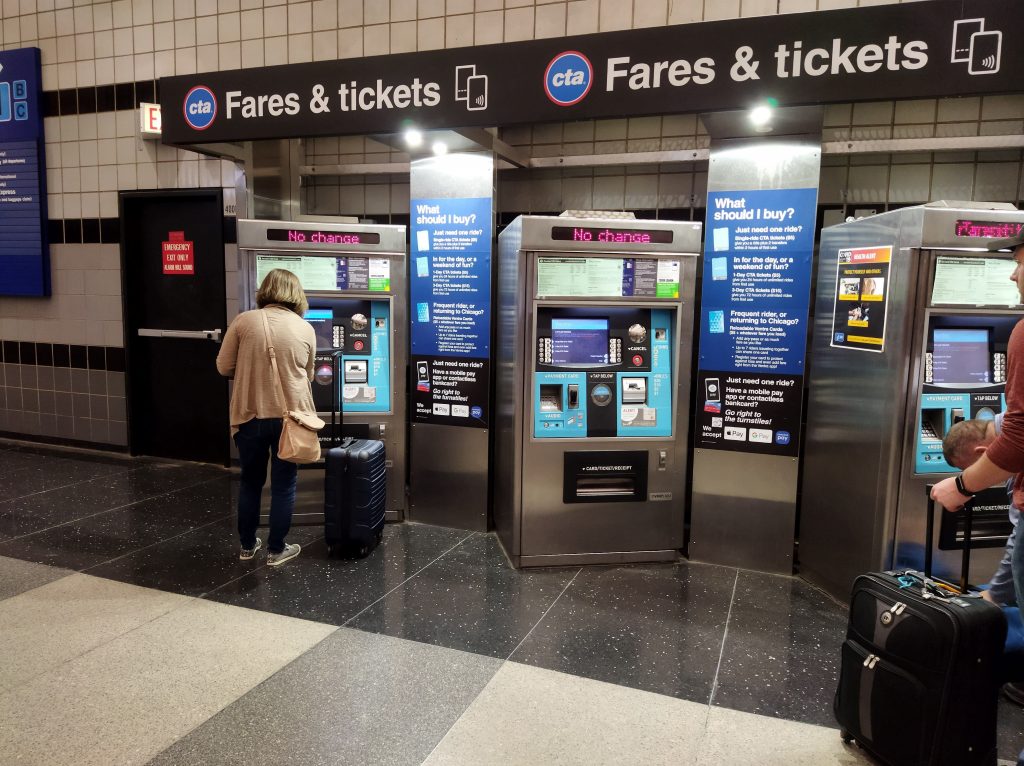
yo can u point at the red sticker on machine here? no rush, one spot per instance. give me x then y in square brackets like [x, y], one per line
[178, 254]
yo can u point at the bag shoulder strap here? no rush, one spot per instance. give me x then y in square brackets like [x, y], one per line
[273, 360]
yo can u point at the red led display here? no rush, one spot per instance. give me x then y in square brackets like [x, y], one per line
[616, 236]
[319, 237]
[988, 229]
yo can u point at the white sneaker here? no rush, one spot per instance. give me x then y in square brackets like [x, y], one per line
[245, 554]
[291, 550]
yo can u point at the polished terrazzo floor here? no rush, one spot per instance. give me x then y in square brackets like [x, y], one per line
[132, 634]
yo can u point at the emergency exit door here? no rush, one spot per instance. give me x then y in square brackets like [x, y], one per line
[175, 314]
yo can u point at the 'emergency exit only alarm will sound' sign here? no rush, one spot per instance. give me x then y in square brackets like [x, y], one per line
[179, 255]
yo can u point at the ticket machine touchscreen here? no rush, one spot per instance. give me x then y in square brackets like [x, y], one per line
[964, 378]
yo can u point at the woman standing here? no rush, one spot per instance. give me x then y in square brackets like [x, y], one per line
[256, 406]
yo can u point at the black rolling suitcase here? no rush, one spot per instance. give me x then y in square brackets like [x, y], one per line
[920, 667]
[355, 493]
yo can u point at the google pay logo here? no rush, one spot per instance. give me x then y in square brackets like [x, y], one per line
[568, 78]
[200, 107]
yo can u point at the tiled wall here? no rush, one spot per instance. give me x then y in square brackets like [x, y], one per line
[57, 390]
[93, 150]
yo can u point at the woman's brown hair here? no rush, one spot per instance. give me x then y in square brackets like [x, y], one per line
[283, 288]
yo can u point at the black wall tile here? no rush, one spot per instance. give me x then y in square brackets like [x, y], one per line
[61, 355]
[110, 231]
[44, 354]
[106, 100]
[28, 352]
[97, 358]
[124, 95]
[68, 101]
[51, 103]
[145, 91]
[72, 231]
[79, 359]
[115, 359]
[87, 100]
[55, 229]
[90, 231]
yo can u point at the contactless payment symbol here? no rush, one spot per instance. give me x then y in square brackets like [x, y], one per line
[200, 107]
[568, 78]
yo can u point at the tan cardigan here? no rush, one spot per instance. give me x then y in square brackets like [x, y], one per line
[243, 356]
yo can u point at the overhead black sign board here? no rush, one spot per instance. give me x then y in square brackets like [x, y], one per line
[911, 50]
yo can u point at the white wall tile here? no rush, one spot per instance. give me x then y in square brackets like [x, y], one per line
[430, 34]
[582, 17]
[519, 24]
[377, 40]
[252, 53]
[376, 12]
[428, 9]
[459, 31]
[614, 15]
[402, 10]
[300, 48]
[489, 27]
[721, 9]
[403, 37]
[300, 18]
[350, 13]
[350, 42]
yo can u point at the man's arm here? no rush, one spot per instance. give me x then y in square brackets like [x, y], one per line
[982, 475]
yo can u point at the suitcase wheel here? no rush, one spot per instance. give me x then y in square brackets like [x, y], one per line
[846, 736]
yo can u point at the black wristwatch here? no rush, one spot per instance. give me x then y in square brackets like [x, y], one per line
[961, 488]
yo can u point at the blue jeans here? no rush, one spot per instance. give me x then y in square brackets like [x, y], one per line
[257, 441]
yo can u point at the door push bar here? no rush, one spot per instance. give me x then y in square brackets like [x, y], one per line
[213, 335]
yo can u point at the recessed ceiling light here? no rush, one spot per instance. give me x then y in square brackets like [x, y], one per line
[413, 138]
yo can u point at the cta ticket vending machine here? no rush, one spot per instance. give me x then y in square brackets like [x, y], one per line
[354, 278]
[911, 326]
[594, 352]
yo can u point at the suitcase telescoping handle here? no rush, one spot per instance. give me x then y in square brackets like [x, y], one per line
[965, 562]
[338, 399]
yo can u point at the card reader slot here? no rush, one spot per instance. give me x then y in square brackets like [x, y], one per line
[551, 397]
[605, 486]
[933, 424]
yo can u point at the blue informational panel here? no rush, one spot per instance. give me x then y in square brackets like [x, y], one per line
[753, 334]
[24, 247]
[450, 310]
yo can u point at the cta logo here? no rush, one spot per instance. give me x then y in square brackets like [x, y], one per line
[200, 107]
[568, 78]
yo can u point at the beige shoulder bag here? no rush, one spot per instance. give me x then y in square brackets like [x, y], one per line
[299, 440]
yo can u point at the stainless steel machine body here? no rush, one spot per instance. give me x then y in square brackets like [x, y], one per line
[595, 337]
[876, 418]
[354, 276]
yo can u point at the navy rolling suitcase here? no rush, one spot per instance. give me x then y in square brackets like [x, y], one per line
[920, 674]
[355, 494]
[355, 489]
